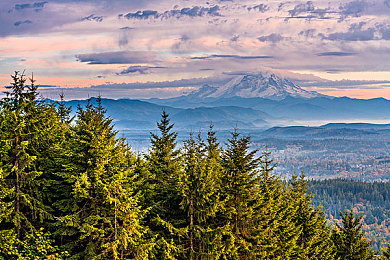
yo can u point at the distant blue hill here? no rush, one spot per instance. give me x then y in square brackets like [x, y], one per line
[317, 108]
[136, 114]
[317, 132]
[364, 126]
[189, 112]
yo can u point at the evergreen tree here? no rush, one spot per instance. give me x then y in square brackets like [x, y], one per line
[314, 240]
[192, 183]
[200, 190]
[274, 234]
[240, 186]
[26, 125]
[166, 218]
[37, 245]
[6, 211]
[54, 157]
[101, 218]
[349, 238]
[64, 111]
[221, 241]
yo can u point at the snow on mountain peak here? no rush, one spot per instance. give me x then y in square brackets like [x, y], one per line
[264, 84]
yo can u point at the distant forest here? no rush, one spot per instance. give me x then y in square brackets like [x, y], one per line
[70, 188]
[371, 200]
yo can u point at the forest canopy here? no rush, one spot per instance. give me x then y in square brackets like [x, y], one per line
[70, 188]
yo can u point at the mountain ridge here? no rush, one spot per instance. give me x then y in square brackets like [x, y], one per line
[137, 114]
[262, 85]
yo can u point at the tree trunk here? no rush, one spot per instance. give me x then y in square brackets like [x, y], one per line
[115, 227]
[115, 220]
[17, 197]
[236, 220]
[17, 184]
[191, 226]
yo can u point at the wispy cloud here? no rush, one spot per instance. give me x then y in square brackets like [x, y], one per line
[354, 8]
[229, 56]
[138, 69]
[336, 53]
[274, 38]
[355, 33]
[119, 57]
[260, 8]
[18, 23]
[36, 5]
[196, 11]
[93, 17]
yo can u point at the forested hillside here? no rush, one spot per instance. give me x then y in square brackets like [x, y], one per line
[70, 188]
[369, 199]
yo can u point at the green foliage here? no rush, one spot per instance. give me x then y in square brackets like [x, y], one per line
[100, 217]
[240, 188]
[386, 252]
[349, 238]
[37, 245]
[166, 219]
[200, 184]
[25, 134]
[275, 236]
[314, 239]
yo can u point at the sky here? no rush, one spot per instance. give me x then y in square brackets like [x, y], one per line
[164, 48]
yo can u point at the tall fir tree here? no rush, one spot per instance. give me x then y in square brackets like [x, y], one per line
[25, 133]
[273, 234]
[221, 241]
[240, 184]
[192, 182]
[349, 238]
[64, 111]
[101, 218]
[314, 241]
[57, 188]
[200, 190]
[166, 218]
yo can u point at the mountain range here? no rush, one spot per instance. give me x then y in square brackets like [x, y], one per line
[265, 85]
[257, 101]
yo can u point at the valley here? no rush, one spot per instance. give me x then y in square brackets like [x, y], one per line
[320, 152]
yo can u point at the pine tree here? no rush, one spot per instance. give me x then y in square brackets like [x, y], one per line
[349, 238]
[101, 218]
[57, 188]
[192, 184]
[240, 183]
[200, 190]
[220, 240]
[64, 111]
[274, 234]
[314, 240]
[6, 211]
[25, 132]
[166, 219]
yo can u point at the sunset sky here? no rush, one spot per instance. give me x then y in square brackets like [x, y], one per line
[142, 49]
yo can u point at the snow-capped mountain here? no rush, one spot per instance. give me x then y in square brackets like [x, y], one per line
[264, 84]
